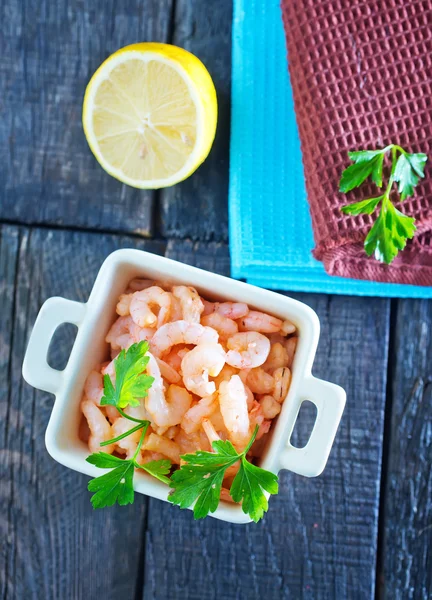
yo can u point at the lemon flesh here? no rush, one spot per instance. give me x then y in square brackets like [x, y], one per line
[150, 114]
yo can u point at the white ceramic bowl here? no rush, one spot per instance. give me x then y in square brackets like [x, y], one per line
[93, 320]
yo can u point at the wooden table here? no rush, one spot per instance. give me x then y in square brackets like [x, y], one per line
[361, 530]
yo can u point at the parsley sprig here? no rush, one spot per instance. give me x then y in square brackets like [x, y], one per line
[131, 386]
[117, 484]
[392, 228]
[200, 480]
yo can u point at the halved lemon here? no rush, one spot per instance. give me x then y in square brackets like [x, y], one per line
[150, 114]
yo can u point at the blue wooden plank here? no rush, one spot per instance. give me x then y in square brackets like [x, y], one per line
[53, 544]
[197, 207]
[48, 52]
[406, 559]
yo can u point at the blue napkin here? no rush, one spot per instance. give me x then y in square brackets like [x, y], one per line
[270, 227]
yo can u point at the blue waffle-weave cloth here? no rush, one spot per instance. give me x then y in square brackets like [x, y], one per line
[270, 227]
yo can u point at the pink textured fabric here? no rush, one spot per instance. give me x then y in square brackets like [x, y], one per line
[361, 73]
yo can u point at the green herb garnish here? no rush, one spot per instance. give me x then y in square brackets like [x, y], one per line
[200, 479]
[131, 387]
[392, 228]
[131, 383]
[117, 485]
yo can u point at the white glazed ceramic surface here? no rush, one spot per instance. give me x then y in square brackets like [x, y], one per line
[93, 320]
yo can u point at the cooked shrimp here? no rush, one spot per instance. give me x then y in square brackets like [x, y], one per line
[259, 321]
[155, 400]
[148, 456]
[187, 443]
[206, 359]
[140, 305]
[175, 357]
[290, 347]
[231, 472]
[210, 431]
[270, 407]
[94, 387]
[176, 310]
[226, 496]
[123, 333]
[247, 350]
[123, 305]
[287, 327]
[139, 412]
[224, 326]
[172, 431]
[136, 285]
[218, 423]
[276, 338]
[256, 417]
[250, 398]
[100, 429]
[168, 448]
[282, 379]
[114, 353]
[190, 302]
[231, 310]
[128, 444]
[165, 411]
[182, 352]
[192, 420]
[259, 381]
[257, 448]
[278, 357]
[111, 412]
[225, 375]
[168, 372]
[243, 374]
[180, 332]
[109, 369]
[233, 406]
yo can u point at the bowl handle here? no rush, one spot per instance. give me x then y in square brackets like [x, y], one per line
[329, 400]
[54, 312]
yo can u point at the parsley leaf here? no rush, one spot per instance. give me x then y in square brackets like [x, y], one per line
[355, 174]
[114, 486]
[417, 162]
[365, 207]
[131, 383]
[158, 468]
[359, 156]
[405, 176]
[117, 484]
[389, 233]
[392, 229]
[200, 480]
[248, 486]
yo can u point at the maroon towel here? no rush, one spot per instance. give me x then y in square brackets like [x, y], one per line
[361, 72]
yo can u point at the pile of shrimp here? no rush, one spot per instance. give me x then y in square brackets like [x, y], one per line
[220, 369]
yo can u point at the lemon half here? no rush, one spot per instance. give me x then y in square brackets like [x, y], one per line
[150, 114]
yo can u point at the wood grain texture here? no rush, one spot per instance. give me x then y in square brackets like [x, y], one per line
[212, 256]
[53, 545]
[406, 550]
[197, 207]
[318, 540]
[48, 52]
[8, 265]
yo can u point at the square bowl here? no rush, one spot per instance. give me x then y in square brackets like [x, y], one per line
[94, 319]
